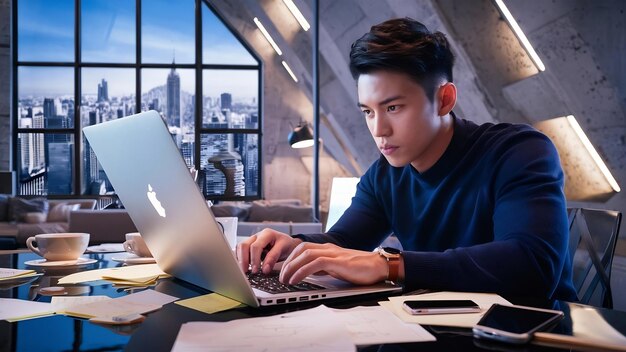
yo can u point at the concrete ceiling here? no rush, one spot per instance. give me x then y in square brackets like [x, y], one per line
[582, 44]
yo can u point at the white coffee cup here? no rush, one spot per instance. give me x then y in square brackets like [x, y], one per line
[136, 245]
[59, 246]
[229, 228]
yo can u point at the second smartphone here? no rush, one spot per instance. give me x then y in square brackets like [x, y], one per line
[441, 307]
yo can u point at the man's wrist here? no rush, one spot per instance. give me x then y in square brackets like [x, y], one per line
[395, 263]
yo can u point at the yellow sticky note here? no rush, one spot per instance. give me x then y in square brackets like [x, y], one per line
[211, 303]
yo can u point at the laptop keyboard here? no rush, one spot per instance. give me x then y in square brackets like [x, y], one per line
[270, 283]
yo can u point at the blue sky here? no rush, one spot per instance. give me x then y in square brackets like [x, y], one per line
[46, 34]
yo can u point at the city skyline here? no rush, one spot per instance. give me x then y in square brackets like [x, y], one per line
[37, 150]
[46, 96]
[58, 81]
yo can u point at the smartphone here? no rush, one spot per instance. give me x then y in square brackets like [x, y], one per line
[514, 324]
[440, 307]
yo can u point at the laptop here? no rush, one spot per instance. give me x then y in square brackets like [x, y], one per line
[153, 182]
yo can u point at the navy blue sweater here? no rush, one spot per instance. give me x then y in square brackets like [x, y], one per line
[488, 216]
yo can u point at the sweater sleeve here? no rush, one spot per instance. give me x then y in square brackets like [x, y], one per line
[364, 225]
[529, 248]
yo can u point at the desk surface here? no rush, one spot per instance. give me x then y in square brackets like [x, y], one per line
[158, 332]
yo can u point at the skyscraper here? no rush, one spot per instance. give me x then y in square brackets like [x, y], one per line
[227, 101]
[103, 91]
[173, 98]
[49, 110]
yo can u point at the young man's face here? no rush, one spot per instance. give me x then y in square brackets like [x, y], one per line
[400, 117]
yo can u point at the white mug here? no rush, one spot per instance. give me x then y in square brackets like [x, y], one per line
[229, 228]
[59, 246]
[136, 245]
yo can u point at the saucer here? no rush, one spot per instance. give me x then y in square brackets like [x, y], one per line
[133, 259]
[45, 263]
[106, 248]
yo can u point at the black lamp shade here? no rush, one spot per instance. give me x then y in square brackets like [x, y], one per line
[301, 137]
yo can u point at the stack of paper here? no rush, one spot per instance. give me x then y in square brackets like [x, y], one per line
[104, 307]
[317, 329]
[85, 306]
[136, 275]
[590, 331]
[7, 274]
[465, 320]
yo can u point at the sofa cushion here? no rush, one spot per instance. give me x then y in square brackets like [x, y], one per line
[4, 207]
[18, 207]
[228, 210]
[61, 212]
[34, 218]
[286, 201]
[83, 203]
[285, 213]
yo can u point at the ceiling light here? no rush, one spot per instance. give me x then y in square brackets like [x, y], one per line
[592, 151]
[267, 36]
[520, 35]
[587, 178]
[290, 72]
[297, 14]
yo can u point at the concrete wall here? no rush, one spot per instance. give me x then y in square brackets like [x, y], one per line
[583, 46]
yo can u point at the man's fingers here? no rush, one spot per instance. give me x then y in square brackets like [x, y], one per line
[243, 253]
[301, 256]
[316, 265]
[256, 251]
[271, 258]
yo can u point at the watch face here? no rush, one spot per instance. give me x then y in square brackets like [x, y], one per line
[391, 250]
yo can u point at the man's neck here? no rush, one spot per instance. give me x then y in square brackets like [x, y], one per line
[437, 147]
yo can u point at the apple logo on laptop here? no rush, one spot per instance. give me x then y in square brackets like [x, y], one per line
[155, 202]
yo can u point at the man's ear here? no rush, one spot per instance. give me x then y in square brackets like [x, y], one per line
[446, 97]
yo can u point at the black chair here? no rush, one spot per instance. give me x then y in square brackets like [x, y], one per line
[593, 237]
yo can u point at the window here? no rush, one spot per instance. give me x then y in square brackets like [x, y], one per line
[84, 62]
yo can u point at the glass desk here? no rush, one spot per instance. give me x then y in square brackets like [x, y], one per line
[158, 332]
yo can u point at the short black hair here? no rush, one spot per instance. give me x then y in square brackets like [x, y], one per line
[406, 46]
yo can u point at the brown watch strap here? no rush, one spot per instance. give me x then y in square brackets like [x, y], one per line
[394, 269]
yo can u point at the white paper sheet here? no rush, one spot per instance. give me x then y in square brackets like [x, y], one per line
[148, 297]
[12, 309]
[376, 325]
[302, 331]
[60, 303]
[466, 320]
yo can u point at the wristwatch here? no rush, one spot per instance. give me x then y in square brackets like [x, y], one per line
[393, 256]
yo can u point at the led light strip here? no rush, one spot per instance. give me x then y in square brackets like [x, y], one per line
[520, 35]
[297, 14]
[592, 151]
[267, 36]
[289, 71]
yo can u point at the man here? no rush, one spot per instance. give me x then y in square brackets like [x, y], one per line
[476, 208]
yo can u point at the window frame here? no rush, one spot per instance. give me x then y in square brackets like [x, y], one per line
[138, 66]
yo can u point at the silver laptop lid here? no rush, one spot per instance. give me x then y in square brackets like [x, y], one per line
[151, 179]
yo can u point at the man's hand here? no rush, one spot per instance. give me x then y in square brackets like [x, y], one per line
[358, 267]
[272, 244]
